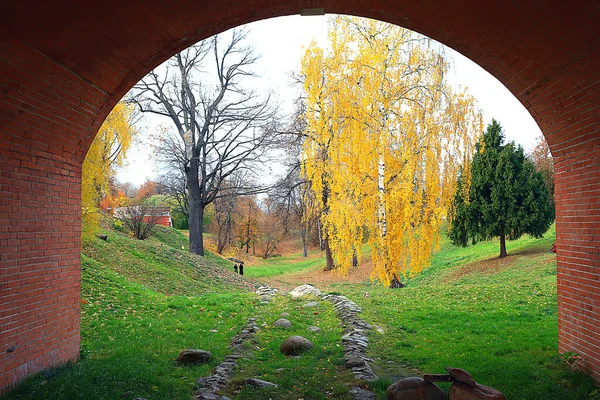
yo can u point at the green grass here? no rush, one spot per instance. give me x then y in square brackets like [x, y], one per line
[277, 266]
[144, 302]
[317, 374]
[495, 318]
[162, 263]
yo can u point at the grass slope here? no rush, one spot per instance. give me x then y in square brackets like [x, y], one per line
[142, 303]
[495, 318]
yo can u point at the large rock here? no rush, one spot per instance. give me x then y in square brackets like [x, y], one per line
[295, 345]
[463, 391]
[259, 383]
[304, 290]
[310, 304]
[282, 323]
[414, 388]
[193, 356]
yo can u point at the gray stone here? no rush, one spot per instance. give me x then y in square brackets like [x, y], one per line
[304, 290]
[282, 323]
[193, 356]
[259, 383]
[284, 315]
[357, 393]
[353, 362]
[224, 398]
[415, 388]
[295, 345]
[314, 329]
[311, 304]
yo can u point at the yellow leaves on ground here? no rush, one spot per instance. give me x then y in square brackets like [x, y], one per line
[386, 139]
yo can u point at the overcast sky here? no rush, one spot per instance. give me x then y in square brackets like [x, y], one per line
[281, 42]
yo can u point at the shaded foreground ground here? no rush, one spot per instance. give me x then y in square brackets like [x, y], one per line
[143, 302]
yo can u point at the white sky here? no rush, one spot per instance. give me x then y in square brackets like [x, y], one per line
[281, 42]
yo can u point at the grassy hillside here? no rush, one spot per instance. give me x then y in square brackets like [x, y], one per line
[495, 318]
[142, 303]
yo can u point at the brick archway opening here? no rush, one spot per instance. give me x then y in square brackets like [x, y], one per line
[63, 67]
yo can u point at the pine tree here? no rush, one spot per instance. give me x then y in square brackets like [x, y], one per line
[506, 196]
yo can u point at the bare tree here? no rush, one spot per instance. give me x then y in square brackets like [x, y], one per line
[222, 127]
[140, 220]
[269, 232]
[292, 193]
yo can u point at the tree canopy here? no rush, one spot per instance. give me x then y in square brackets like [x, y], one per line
[385, 136]
[503, 197]
[107, 151]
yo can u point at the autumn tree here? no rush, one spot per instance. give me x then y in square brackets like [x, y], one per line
[227, 213]
[246, 225]
[269, 232]
[505, 198]
[386, 136]
[107, 151]
[220, 126]
[544, 163]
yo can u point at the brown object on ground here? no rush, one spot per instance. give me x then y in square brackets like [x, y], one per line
[460, 375]
[437, 378]
[294, 345]
[414, 388]
[193, 356]
[462, 391]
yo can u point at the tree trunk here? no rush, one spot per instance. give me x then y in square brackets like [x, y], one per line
[304, 235]
[196, 228]
[502, 242]
[196, 209]
[321, 244]
[328, 256]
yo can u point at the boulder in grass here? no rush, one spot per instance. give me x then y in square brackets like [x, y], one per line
[463, 391]
[415, 388]
[193, 356]
[304, 290]
[259, 383]
[295, 345]
[282, 323]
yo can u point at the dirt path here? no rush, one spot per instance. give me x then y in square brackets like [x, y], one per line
[321, 279]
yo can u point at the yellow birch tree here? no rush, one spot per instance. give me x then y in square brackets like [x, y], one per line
[107, 151]
[385, 140]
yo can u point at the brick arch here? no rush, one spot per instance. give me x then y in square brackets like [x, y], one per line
[63, 65]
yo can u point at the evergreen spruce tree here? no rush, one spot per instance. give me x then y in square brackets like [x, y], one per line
[506, 197]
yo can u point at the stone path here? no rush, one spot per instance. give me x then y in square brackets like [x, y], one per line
[354, 341]
[208, 386]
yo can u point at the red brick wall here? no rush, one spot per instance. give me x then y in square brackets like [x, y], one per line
[40, 192]
[65, 64]
[578, 254]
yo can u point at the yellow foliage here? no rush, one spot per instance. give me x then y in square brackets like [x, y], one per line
[107, 151]
[386, 139]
